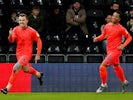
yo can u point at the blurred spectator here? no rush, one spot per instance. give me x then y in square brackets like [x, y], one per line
[129, 3]
[113, 7]
[128, 7]
[5, 23]
[109, 2]
[129, 14]
[76, 27]
[56, 30]
[1, 2]
[13, 23]
[13, 19]
[76, 19]
[107, 20]
[36, 20]
[129, 48]
[56, 21]
[130, 25]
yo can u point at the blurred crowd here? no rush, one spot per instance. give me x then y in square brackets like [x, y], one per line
[65, 26]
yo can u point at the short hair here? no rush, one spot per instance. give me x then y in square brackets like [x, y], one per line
[79, 1]
[22, 14]
[36, 7]
[119, 12]
[114, 3]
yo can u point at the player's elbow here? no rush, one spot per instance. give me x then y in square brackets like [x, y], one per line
[39, 42]
[10, 40]
[130, 37]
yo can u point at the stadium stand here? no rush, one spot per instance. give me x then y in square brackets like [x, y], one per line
[61, 48]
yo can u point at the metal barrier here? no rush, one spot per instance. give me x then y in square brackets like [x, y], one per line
[55, 58]
[75, 58]
[67, 58]
[3, 58]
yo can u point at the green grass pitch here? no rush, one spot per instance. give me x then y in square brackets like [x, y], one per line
[68, 96]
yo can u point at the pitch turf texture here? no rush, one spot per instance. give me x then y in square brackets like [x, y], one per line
[68, 96]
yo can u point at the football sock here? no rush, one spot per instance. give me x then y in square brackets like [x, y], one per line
[119, 73]
[9, 85]
[103, 74]
[12, 79]
[34, 72]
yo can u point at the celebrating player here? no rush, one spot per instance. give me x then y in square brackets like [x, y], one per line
[113, 33]
[24, 36]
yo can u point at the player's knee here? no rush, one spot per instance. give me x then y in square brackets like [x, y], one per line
[102, 68]
[116, 65]
[16, 67]
[104, 65]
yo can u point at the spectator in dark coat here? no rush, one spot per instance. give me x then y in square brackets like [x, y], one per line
[36, 20]
[76, 17]
[56, 20]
